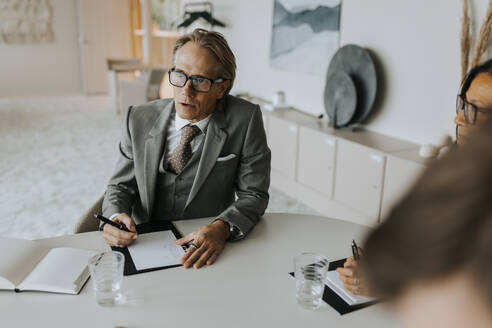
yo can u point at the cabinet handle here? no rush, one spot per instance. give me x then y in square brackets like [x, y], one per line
[293, 128]
[330, 142]
[377, 158]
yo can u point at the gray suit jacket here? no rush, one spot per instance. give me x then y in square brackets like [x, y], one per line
[235, 129]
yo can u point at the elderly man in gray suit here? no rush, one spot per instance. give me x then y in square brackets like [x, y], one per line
[202, 154]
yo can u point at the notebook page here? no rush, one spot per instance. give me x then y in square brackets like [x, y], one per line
[5, 284]
[17, 259]
[333, 281]
[155, 249]
[58, 271]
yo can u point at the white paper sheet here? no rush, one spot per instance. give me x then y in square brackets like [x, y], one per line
[333, 281]
[155, 249]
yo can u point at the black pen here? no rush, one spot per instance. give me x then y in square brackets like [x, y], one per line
[114, 224]
[355, 250]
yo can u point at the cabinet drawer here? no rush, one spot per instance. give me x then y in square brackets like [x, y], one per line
[316, 160]
[282, 138]
[399, 176]
[359, 178]
[265, 123]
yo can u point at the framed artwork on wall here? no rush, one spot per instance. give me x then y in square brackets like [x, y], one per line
[26, 21]
[305, 35]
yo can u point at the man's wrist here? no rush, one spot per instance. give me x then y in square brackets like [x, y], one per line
[101, 227]
[226, 228]
[114, 215]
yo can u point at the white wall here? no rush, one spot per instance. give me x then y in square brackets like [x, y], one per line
[416, 42]
[44, 69]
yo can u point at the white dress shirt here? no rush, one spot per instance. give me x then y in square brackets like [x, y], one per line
[174, 127]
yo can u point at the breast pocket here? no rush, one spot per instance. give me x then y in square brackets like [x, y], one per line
[226, 158]
[228, 162]
[225, 171]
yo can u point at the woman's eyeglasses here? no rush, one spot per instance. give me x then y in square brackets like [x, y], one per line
[469, 109]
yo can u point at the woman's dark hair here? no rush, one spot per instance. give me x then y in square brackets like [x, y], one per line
[486, 67]
[441, 227]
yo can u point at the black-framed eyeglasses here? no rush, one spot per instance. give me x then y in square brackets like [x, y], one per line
[469, 109]
[198, 83]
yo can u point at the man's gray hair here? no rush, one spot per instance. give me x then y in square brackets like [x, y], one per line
[217, 44]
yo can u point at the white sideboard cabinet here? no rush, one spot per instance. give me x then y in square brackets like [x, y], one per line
[354, 176]
[402, 169]
[265, 122]
[316, 160]
[282, 137]
[359, 178]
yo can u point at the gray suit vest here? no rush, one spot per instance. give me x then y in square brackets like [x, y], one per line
[172, 190]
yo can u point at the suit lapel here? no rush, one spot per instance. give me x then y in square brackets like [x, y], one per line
[154, 145]
[213, 143]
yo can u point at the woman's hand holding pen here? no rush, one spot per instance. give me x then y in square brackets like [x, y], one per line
[117, 237]
[350, 277]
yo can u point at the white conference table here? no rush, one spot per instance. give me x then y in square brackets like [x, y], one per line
[248, 286]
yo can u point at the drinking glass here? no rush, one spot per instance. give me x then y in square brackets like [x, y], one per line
[310, 272]
[107, 277]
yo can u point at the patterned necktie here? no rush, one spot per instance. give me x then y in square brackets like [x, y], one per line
[182, 153]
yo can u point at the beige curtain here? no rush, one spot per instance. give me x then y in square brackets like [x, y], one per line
[136, 24]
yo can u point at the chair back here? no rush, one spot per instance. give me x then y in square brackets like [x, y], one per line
[119, 61]
[154, 86]
[87, 222]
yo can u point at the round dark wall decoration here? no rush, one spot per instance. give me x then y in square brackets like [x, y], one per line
[340, 98]
[358, 64]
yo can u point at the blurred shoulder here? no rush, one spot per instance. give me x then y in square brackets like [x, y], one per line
[238, 108]
[146, 115]
[150, 110]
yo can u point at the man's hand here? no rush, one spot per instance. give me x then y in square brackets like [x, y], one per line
[119, 238]
[210, 240]
[350, 277]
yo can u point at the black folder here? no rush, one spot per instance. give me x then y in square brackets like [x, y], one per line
[130, 268]
[335, 301]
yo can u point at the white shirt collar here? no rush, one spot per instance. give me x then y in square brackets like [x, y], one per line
[179, 123]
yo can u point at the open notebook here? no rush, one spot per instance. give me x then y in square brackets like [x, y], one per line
[26, 266]
[333, 281]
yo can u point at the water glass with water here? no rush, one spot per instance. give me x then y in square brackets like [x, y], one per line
[107, 277]
[310, 272]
